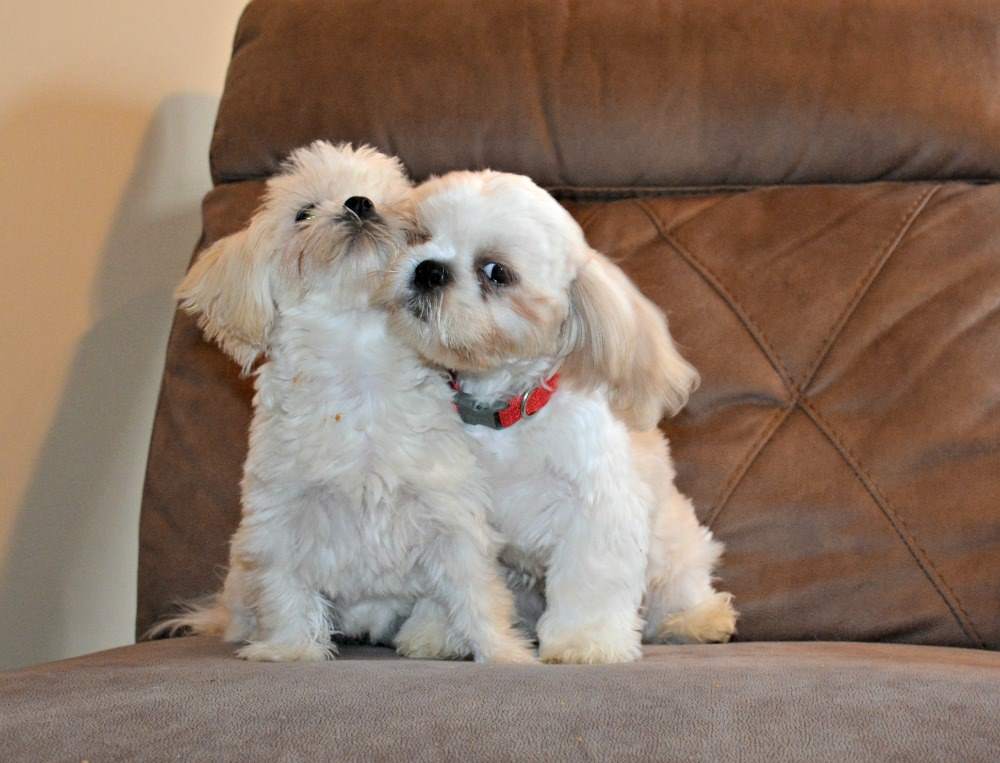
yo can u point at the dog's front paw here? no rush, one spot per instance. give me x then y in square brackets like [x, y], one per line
[425, 636]
[711, 621]
[427, 646]
[514, 651]
[591, 648]
[265, 651]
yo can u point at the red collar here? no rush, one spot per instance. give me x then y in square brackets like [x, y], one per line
[503, 415]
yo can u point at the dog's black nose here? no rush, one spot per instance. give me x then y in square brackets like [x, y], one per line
[431, 275]
[361, 206]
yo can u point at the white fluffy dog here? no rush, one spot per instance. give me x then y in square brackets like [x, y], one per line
[564, 370]
[363, 506]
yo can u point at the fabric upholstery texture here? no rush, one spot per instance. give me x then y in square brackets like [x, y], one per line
[189, 699]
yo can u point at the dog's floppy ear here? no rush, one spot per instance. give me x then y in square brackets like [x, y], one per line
[229, 288]
[619, 338]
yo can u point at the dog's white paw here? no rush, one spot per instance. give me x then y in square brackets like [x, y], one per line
[514, 651]
[264, 651]
[711, 621]
[426, 646]
[426, 638]
[591, 649]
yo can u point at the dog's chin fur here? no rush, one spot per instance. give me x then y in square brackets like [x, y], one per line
[584, 490]
[364, 509]
[419, 335]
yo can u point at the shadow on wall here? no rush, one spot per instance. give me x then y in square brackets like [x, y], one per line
[68, 585]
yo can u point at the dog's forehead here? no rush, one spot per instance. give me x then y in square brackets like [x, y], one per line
[466, 219]
[330, 175]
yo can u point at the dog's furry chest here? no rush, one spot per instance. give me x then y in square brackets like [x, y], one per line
[348, 433]
[531, 492]
[366, 545]
[341, 403]
[539, 471]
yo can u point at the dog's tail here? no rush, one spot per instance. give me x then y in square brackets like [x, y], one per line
[204, 617]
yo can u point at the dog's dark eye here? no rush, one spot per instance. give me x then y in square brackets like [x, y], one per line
[306, 213]
[497, 273]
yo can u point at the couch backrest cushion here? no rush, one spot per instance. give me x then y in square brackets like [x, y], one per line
[599, 94]
[845, 442]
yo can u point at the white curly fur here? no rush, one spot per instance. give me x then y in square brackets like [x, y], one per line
[363, 505]
[584, 492]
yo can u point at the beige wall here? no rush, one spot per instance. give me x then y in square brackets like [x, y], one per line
[106, 109]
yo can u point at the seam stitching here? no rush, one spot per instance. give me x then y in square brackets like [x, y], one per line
[917, 552]
[675, 229]
[616, 193]
[766, 434]
[795, 390]
[587, 219]
[727, 296]
[867, 280]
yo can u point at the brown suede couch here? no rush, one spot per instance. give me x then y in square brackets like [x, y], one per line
[809, 190]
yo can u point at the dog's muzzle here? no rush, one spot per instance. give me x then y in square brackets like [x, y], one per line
[419, 305]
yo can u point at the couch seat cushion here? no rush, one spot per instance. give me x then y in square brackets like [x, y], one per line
[189, 699]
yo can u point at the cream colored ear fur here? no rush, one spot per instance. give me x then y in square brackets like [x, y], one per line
[620, 338]
[229, 289]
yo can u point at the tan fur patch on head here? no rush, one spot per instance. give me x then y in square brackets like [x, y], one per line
[490, 347]
[546, 313]
[525, 307]
[416, 235]
[498, 344]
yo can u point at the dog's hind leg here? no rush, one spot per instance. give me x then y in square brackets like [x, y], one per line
[681, 605]
[293, 622]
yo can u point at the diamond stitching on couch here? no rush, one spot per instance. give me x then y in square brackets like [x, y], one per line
[724, 293]
[735, 479]
[793, 390]
[797, 391]
[866, 281]
[906, 537]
